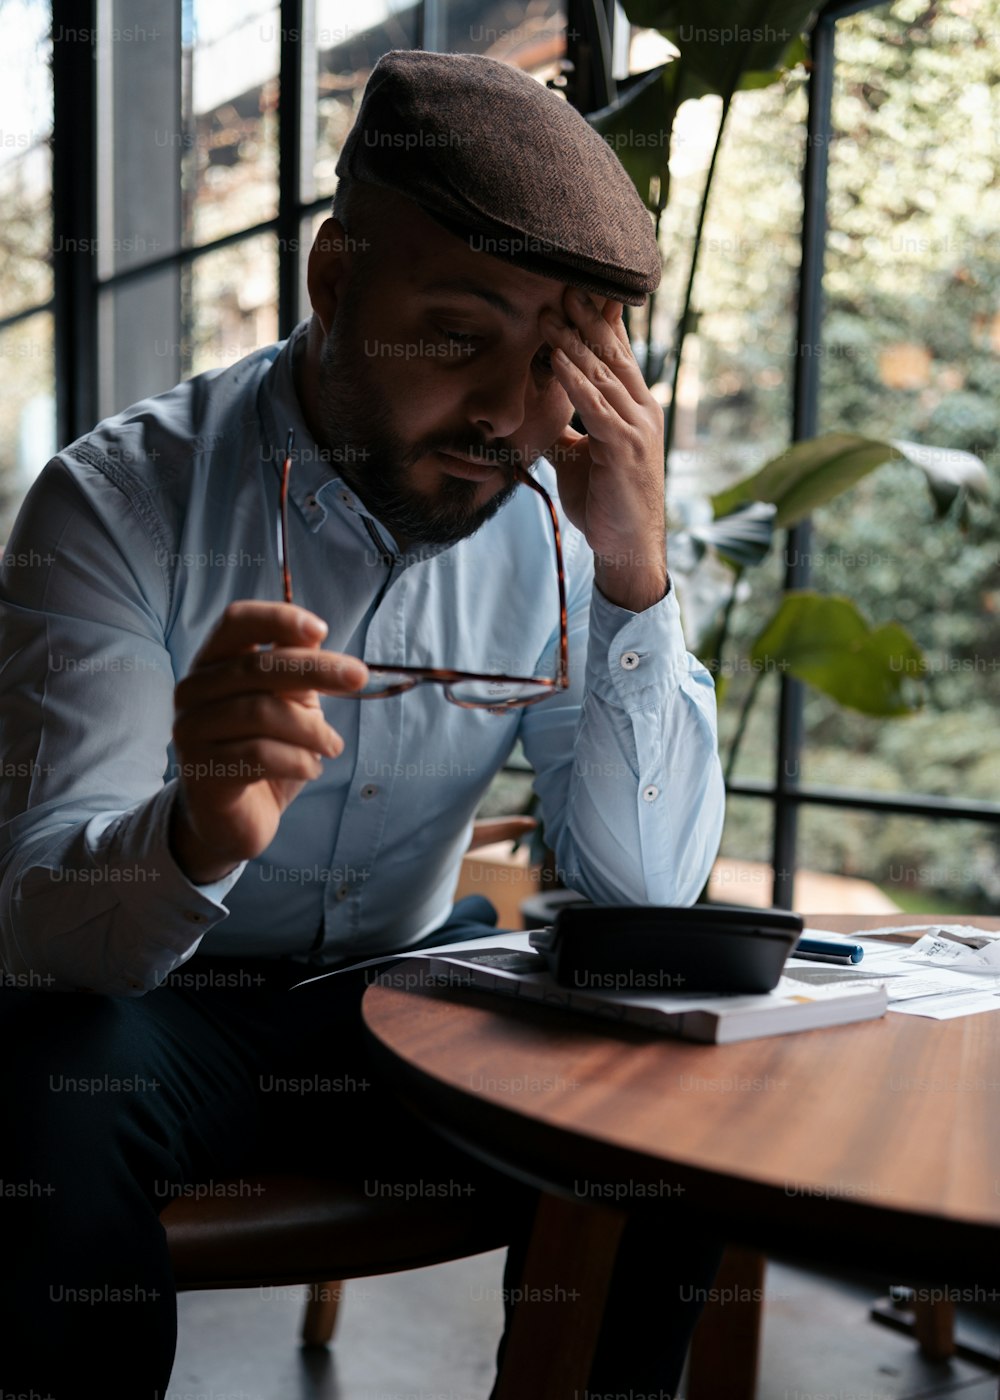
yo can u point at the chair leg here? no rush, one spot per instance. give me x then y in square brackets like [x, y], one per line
[726, 1342]
[570, 1257]
[321, 1313]
[934, 1328]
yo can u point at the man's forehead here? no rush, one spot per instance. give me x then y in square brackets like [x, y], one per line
[436, 262]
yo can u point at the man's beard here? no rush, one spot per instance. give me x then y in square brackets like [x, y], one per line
[357, 425]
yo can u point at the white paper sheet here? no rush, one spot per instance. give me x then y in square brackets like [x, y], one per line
[951, 970]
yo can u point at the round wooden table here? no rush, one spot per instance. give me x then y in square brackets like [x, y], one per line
[874, 1145]
[878, 1141]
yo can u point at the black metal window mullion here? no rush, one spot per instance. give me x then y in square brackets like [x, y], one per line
[590, 84]
[805, 420]
[74, 215]
[184, 283]
[858, 800]
[289, 163]
[16, 317]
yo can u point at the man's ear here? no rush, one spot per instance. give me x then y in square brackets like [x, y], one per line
[329, 265]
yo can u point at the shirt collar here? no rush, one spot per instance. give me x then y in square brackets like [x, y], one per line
[279, 409]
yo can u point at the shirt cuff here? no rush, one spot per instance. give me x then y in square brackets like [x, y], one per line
[159, 896]
[636, 660]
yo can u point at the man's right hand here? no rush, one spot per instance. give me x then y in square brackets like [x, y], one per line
[249, 732]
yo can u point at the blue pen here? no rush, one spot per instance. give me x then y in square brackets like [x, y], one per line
[826, 950]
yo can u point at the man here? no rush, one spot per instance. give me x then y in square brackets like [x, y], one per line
[197, 778]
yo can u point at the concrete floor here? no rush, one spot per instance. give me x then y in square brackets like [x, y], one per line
[431, 1335]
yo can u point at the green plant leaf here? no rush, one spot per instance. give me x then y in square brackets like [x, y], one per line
[806, 476]
[826, 642]
[722, 40]
[637, 127]
[813, 472]
[796, 53]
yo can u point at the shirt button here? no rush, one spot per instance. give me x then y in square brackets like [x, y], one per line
[347, 498]
[369, 790]
[629, 660]
[311, 502]
[650, 793]
[343, 892]
[193, 917]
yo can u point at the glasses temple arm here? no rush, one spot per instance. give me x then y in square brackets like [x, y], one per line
[283, 560]
[525, 477]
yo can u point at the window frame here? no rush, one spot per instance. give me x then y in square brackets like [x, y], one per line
[590, 24]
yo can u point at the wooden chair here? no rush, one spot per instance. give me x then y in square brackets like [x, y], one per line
[273, 1230]
[301, 1229]
[280, 1230]
[316, 1230]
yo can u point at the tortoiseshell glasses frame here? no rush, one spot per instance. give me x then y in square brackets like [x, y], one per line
[474, 690]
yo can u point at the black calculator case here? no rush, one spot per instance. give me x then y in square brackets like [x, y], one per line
[659, 949]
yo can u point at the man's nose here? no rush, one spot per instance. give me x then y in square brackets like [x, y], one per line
[496, 404]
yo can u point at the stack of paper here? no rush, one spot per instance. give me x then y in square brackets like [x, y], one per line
[952, 970]
[505, 964]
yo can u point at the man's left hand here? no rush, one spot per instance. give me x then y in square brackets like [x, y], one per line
[611, 478]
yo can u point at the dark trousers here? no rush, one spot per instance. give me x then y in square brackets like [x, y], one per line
[110, 1107]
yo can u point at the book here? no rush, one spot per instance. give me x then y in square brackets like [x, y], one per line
[506, 966]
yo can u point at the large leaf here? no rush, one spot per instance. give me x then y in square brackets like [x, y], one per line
[951, 474]
[806, 475]
[742, 539]
[637, 127]
[797, 53]
[825, 642]
[723, 40]
[813, 472]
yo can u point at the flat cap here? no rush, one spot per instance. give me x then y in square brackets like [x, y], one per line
[504, 163]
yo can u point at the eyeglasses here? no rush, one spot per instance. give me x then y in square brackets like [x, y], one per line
[476, 690]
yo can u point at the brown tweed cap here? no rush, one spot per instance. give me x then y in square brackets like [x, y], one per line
[504, 163]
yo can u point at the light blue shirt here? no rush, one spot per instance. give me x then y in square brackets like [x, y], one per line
[126, 551]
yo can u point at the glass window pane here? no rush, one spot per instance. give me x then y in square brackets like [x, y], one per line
[233, 304]
[747, 695]
[910, 351]
[532, 36]
[25, 155]
[734, 399]
[139, 139]
[348, 44]
[27, 410]
[309, 228]
[862, 862]
[734, 394]
[743, 873]
[139, 339]
[229, 133]
[920, 865]
[914, 200]
[159, 328]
